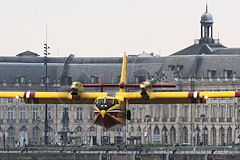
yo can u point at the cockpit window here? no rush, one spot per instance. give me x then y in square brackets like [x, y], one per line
[108, 103]
[100, 101]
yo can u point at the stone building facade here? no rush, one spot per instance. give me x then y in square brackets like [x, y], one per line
[205, 66]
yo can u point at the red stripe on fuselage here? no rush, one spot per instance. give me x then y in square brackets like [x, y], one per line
[237, 94]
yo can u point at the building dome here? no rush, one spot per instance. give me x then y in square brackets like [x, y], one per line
[206, 18]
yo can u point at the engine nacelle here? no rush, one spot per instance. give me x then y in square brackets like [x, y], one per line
[145, 89]
[76, 88]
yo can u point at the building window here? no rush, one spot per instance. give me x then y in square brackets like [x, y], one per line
[228, 73]
[140, 114]
[172, 135]
[139, 79]
[230, 111]
[205, 136]
[35, 135]
[35, 113]
[94, 79]
[10, 135]
[222, 135]
[23, 113]
[198, 111]
[10, 113]
[206, 111]
[175, 111]
[214, 136]
[186, 111]
[91, 114]
[92, 129]
[10, 100]
[214, 111]
[211, 73]
[133, 114]
[165, 135]
[79, 113]
[185, 135]
[229, 135]
[222, 111]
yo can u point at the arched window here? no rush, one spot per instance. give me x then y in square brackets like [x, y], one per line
[92, 129]
[229, 135]
[198, 135]
[172, 135]
[205, 136]
[78, 129]
[165, 135]
[11, 133]
[35, 135]
[139, 131]
[132, 129]
[156, 130]
[156, 134]
[185, 135]
[221, 133]
[214, 136]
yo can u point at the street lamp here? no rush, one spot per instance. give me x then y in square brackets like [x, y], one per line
[46, 47]
[146, 133]
[202, 117]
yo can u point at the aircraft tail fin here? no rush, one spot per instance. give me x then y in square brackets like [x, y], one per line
[123, 80]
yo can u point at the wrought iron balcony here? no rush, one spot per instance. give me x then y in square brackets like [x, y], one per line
[23, 120]
[172, 119]
[213, 119]
[11, 121]
[221, 120]
[229, 119]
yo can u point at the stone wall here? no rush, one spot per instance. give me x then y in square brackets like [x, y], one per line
[119, 156]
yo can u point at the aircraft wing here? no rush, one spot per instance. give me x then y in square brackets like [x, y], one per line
[54, 97]
[175, 97]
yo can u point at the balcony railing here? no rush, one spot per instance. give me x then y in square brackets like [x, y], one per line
[221, 119]
[205, 119]
[78, 120]
[164, 119]
[229, 119]
[172, 119]
[184, 119]
[197, 119]
[23, 120]
[213, 119]
[11, 121]
[156, 119]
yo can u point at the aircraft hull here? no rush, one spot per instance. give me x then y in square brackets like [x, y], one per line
[111, 120]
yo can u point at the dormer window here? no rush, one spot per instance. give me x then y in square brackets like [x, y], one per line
[67, 80]
[171, 68]
[94, 79]
[139, 79]
[211, 73]
[228, 73]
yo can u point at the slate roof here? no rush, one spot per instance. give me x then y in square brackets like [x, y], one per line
[200, 49]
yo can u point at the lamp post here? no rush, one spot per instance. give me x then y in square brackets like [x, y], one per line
[46, 47]
[203, 136]
[147, 119]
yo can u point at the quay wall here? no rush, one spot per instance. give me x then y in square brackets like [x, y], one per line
[114, 156]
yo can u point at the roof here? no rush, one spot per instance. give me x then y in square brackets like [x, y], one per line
[27, 54]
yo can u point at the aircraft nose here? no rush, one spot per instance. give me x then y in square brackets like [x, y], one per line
[103, 112]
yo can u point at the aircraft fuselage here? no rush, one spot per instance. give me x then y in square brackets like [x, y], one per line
[109, 112]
